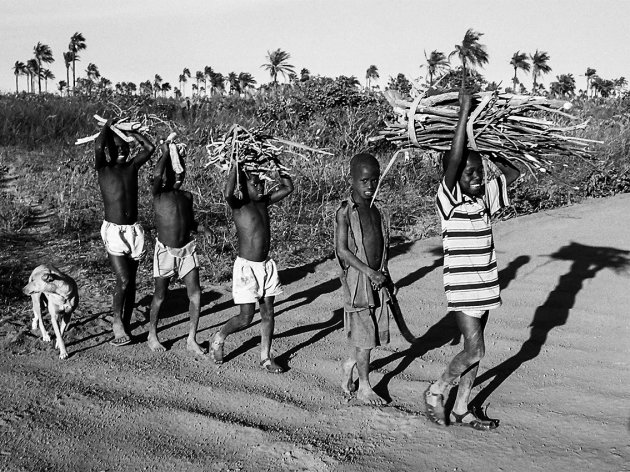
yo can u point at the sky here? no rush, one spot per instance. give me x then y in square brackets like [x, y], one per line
[132, 40]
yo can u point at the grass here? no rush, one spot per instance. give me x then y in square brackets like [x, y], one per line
[38, 134]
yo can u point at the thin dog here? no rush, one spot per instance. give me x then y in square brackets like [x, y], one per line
[49, 287]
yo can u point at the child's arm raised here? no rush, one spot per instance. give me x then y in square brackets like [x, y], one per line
[100, 160]
[341, 246]
[509, 170]
[159, 170]
[284, 189]
[455, 156]
[148, 148]
[230, 187]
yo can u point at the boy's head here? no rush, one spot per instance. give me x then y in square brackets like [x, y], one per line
[364, 175]
[255, 186]
[118, 149]
[471, 180]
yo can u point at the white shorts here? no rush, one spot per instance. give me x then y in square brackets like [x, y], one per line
[474, 313]
[123, 240]
[168, 260]
[252, 281]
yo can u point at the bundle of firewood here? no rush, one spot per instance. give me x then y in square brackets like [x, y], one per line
[529, 129]
[120, 128]
[253, 151]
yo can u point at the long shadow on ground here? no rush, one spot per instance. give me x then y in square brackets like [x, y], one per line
[443, 332]
[554, 312]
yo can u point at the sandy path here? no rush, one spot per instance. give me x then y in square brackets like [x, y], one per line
[556, 373]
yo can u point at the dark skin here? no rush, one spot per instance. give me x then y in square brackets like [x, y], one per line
[174, 221]
[466, 167]
[364, 178]
[118, 181]
[251, 217]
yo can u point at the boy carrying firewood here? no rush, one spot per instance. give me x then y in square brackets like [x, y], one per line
[255, 275]
[465, 205]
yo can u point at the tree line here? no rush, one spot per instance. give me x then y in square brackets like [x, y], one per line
[207, 82]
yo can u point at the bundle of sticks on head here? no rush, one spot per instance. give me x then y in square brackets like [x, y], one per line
[177, 152]
[254, 151]
[529, 129]
[120, 128]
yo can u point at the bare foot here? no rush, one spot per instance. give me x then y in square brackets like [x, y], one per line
[195, 348]
[216, 349]
[347, 384]
[369, 397]
[120, 335]
[155, 345]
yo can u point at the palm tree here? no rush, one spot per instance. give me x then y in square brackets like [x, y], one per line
[246, 80]
[61, 86]
[371, 74]
[19, 68]
[92, 74]
[539, 66]
[166, 87]
[47, 75]
[199, 77]
[217, 82]
[43, 53]
[564, 86]
[278, 64]
[32, 69]
[305, 75]
[67, 60]
[436, 62]
[184, 78]
[157, 84]
[233, 81]
[77, 43]
[590, 74]
[470, 53]
[519, 61]
[620, 84]
[207, 74]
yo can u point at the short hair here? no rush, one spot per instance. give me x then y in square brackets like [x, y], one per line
[467, 154]
[362, 159]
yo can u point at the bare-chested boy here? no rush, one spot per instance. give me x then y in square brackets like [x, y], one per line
[122, 234]
[361, 243]
[175, 250]
[255, 276]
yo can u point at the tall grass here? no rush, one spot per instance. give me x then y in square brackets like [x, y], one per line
[38, 135]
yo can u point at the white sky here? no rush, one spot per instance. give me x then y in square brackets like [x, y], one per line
[132, 40]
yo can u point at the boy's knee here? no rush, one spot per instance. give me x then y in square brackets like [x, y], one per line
[477, 352]
[194, 295]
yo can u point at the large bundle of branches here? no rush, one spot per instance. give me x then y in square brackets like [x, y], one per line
[253, 151]
[529, 129]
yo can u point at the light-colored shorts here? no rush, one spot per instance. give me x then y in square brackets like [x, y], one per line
[168, 260]
[252, 281]
[474, 313]
[123, 240]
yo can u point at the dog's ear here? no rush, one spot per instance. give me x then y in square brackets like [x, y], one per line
[48, 277]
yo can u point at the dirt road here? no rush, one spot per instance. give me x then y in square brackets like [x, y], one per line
[556, 371]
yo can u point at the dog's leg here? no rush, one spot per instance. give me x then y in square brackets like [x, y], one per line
[36, 298]
[54, 314]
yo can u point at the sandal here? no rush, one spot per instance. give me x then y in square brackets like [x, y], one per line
[472, 421]
[434, 413]
[270, 366]
[216, 349]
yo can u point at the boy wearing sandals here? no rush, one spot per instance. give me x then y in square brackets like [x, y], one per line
[255, 276]
[361, 243]
[465, 206]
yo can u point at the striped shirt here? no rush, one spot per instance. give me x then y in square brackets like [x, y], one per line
[471, 279]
